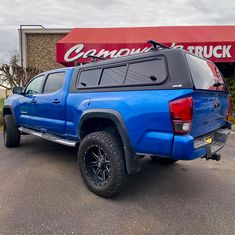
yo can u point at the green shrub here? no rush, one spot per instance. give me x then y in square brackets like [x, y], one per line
[231, 83]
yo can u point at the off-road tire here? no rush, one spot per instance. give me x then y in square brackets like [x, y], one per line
[11, 134]
[163, 161]
[112, 149]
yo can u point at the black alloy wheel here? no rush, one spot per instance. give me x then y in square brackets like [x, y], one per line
[97, 165]
[102, 164]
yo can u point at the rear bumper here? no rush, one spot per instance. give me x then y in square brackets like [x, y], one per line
[188, 148]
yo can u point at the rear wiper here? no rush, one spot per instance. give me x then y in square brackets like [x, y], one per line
[217, 84]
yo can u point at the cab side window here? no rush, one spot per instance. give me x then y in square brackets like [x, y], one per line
[54, 82]
[36, 85]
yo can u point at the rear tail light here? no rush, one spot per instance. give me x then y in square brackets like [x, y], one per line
[181, 111]
[229, 106]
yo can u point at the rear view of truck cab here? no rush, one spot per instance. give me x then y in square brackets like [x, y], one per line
[199, 120]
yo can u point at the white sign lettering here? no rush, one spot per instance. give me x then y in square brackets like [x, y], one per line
[208, 51]
[76, 52]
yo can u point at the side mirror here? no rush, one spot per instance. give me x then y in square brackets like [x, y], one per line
[17, 90]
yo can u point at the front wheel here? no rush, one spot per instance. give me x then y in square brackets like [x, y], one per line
[11, 133]
[102, 165]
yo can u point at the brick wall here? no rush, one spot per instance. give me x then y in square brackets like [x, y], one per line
[41, 50]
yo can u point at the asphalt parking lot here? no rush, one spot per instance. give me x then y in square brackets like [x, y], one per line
[41, 192]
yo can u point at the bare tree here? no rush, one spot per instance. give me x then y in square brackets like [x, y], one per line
[11, 74]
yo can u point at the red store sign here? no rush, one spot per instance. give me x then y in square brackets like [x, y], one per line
[216, 43]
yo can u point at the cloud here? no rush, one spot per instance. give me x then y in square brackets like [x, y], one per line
[108, 13]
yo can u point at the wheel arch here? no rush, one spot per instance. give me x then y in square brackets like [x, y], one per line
[7, 110]
[131, 159]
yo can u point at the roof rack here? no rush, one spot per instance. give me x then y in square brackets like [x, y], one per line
[157, 45]
[95, 58]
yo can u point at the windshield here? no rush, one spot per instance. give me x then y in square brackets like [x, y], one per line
[205, 74]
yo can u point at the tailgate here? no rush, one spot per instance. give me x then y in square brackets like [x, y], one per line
[210, 111]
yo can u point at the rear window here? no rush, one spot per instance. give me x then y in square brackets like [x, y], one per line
[205, 74]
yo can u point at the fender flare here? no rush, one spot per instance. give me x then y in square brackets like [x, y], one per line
[12, 111]
[131, 159]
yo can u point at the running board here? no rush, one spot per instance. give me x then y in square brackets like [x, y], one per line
[50, 137]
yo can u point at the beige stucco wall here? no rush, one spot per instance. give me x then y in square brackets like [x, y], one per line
[3, 93]
[41, 50]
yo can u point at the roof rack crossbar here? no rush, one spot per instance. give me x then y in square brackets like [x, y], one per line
[157, 45]
[94, 58]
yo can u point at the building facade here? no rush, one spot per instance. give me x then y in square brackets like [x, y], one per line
[48, 49]
[38, 47]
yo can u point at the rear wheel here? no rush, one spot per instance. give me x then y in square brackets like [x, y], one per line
[11, 133]
[102, 164]
[163, 161]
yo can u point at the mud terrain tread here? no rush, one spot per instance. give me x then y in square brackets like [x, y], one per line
[112, 143]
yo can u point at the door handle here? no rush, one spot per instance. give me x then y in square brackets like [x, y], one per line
[55, 101]
[33, 101]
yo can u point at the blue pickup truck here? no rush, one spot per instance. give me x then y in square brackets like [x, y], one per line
[166, 103]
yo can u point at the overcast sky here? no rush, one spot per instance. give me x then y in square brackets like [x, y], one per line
[107, 13]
